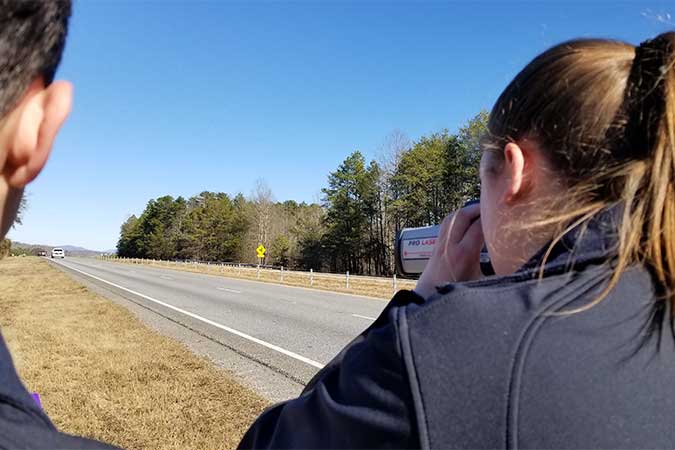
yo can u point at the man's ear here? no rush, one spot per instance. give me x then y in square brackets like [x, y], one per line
[31, 128]
[514, 171]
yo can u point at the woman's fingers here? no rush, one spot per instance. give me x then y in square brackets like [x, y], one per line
[473, 239]
[456, 255]
[462, 221]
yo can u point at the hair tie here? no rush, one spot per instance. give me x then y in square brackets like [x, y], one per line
[644, 99]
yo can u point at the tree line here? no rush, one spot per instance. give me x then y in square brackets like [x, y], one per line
[6, 247]
[364, 205]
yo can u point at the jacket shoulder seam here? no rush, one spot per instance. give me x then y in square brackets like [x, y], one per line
[522, 346]
[403, 336]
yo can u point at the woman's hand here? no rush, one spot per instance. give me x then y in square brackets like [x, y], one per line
[456, 255]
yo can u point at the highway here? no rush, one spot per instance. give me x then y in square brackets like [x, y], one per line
[292, 331]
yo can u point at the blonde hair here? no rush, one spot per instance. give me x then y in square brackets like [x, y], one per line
[603, 112]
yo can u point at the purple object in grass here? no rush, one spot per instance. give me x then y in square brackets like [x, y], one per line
[36, 397]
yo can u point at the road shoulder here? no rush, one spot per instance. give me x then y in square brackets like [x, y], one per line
[103, 374]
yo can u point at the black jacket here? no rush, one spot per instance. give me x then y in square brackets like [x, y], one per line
[493, 364]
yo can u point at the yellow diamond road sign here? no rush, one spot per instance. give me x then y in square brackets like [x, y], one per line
[260, 251]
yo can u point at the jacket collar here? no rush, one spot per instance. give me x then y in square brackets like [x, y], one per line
[593, 241]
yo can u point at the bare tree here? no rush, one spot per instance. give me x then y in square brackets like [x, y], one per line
[389, 154]
[391, 149]
[263, 204]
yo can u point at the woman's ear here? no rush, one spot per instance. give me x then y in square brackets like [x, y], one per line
[514, 171]
[31, 128]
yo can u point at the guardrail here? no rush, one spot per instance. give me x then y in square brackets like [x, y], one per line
[354, 284]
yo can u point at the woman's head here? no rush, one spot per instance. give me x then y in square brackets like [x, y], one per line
[586, 125]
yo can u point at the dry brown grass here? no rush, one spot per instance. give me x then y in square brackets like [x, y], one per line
[368, 286]
[103, 374]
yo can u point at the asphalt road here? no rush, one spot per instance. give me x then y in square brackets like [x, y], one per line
[292, 331]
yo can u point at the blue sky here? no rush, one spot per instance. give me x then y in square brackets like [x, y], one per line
[177, 97]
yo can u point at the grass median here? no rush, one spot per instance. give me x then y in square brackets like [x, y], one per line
[101, 373]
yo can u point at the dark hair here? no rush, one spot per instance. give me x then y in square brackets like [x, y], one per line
[32, 38]
[603, 113]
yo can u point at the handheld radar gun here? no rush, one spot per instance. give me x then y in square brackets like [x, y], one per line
[414, 246]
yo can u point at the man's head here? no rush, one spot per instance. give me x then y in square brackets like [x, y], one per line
[32, 106]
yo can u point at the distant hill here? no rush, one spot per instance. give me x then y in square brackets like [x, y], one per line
[75, 249]
[71, 250]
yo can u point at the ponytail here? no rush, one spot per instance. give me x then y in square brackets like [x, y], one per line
[641, 140]
[649, 108]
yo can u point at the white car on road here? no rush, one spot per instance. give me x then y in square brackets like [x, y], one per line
[58, 253]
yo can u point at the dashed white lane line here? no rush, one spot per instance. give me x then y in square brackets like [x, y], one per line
[164, 277]
[276, 348]
[364, 317]
[233, 291]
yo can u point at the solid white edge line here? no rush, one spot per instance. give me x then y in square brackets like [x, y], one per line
[364, 317]
[207, 321]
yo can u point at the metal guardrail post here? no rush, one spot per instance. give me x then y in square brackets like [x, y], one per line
[348, 279]
[311, 277]
[282, 274]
